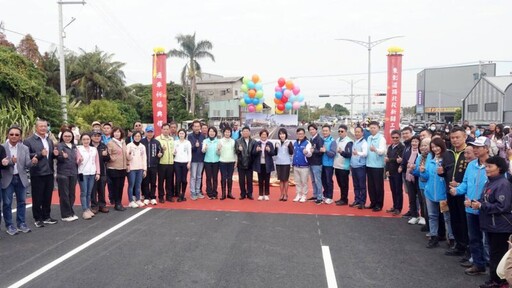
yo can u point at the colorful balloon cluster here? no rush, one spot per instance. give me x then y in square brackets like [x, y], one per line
[252, 90]
[287, 96]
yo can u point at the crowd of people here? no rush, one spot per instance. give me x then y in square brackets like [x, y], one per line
[456, 179]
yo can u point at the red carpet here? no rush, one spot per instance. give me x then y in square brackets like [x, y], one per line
[272, 206]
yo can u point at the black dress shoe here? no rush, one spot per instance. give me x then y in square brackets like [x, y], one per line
[350, 205]
[161, 200]
[360, 206]
[342, 203]
[119, 208]
[369, 207]
[376, 209]
[250, 198]
[241, 198]
[391, 210]
[230, 196]
[312, 198]
[223, 198]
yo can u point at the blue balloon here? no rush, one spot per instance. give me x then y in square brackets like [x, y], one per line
[292, 98]
[288, 106]
[279, 95]
[255, 101]
[258, 86]
[262, 100]
[300, 98]
[250, 85]
[247, 99]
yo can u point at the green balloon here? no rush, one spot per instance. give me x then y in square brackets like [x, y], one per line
[246, 80]
[244, 88]
[259, 93]
[242, 103]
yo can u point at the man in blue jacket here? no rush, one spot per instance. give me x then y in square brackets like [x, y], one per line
[153, 155]
[472, 186]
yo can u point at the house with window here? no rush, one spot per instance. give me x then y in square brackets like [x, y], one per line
[490, 100]
[221, 97]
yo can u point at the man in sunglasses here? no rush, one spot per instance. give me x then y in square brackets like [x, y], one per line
[342, 164]
[393, 160]
[14, 180]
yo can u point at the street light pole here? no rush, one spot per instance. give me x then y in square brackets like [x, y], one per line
[369, 45]
[63, 97]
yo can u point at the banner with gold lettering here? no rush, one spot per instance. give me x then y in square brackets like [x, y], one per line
[159, 89]
[394, 92]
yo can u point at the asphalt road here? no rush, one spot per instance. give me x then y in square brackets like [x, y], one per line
[179, 248]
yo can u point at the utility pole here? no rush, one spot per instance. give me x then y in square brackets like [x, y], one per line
[63, 96]
[369, 45]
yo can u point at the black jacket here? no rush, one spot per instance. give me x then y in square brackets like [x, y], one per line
[495, 215]
[269, 161]
[153, 147]
[316, 143]
[67, 166]
[392, 154]
[44, 165]
[245, 157]
[103, 159]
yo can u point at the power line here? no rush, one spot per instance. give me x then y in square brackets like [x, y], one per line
[24, 34]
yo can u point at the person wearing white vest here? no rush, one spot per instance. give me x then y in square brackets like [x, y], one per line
[375, 167]
[88, 172]
[342, 163]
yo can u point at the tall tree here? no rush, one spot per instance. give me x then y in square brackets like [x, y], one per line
[192, 70]
[5, 42]
[94, 75]
[30, 50]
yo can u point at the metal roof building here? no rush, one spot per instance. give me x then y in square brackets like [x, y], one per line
[490, 100]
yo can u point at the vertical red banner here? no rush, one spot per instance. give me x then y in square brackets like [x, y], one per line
[159, 91]
[394, 93]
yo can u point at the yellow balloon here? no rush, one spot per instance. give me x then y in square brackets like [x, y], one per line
[259, 107]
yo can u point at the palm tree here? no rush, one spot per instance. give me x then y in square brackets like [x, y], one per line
[191, 50]
[93, 76]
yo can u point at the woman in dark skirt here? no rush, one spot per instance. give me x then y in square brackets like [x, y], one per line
[284, 152]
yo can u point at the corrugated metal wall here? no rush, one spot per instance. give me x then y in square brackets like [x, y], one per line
[482, 94]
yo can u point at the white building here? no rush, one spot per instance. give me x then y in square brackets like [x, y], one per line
[490, 100]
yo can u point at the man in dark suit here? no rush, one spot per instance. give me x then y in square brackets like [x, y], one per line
[15, 180]
[393, 160]
[243, 148]
[42, 153]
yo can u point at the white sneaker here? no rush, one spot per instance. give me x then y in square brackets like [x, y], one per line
[421, 221]
[260, 198]
[139, 203]
[68, 219]
[146, 202]
[133, 205]
[328, 201]
[413, 220]
[200, 196]
[153, 202]
[88, 211]
[266, 198]
[302, 199]
[74, 217]
[297, 198]
[133, 198]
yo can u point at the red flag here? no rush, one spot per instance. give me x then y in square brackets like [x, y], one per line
[159, 91]
[394, 93]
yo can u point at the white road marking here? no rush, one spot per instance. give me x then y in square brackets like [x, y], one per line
[78, 249]
[329, 268]
[26, 207]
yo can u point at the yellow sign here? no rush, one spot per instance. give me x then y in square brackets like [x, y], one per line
[441, 109]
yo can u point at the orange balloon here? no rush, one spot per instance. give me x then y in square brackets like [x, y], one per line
[289, 84]
[255, 78]
[252, 93]
[277, 101]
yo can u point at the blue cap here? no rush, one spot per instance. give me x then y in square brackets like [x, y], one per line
[150, 128]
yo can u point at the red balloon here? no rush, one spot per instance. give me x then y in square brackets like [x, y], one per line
[284, 99]
[277, 101]
[281, 82]
[280, 106]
